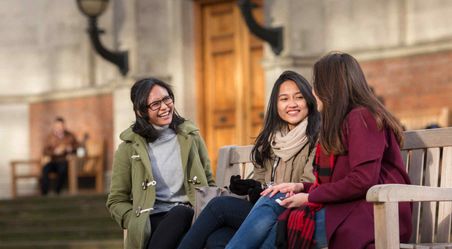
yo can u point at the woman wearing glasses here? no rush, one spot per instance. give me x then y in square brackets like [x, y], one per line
[160, 161]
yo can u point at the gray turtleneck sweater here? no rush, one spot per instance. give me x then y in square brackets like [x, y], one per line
[166, 166]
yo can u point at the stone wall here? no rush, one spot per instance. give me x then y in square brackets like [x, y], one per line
[412, 82]
[52, 70]
[404, 47]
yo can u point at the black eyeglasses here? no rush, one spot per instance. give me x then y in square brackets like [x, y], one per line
[157, 104]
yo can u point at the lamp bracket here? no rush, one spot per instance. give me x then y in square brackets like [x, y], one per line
[274, 36]
[119, 58]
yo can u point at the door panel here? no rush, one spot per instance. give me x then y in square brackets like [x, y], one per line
[231, 87]
[257, 93]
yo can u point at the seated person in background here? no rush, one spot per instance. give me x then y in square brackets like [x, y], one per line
[161, 159]
[432, 126]
[58, 145]
[283, 152]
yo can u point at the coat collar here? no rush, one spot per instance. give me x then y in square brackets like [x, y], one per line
[184, 129]
[184, 132]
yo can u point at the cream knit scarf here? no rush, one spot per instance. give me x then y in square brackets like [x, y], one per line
[286, 144]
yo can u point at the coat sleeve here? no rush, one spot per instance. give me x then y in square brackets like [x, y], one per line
[259, 174]
[119, 201]
[48, 148]
[261, 171]
[365, 145]
[204, 156]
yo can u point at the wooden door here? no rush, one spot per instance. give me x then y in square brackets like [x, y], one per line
[230, 76]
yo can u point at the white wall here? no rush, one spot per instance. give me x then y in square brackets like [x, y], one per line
[14, 135]
[43, 45]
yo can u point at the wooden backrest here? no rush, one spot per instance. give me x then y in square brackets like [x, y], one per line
[234, 160]
[95, 147]
[30, 168]
[427, 155]
[95, 157]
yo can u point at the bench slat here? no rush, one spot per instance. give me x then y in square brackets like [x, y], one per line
[241, 154]
[445, 208]
[405, 158]
[417, 139]
[415, 171]
[428, 209]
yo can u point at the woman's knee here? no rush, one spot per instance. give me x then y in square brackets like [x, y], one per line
[265, 200]
[220, 202]
[182, 211]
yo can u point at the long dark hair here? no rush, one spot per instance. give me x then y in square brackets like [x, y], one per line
[261, 151]
[340, 84]
[139, 95]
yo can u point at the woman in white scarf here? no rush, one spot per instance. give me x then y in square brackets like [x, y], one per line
[282, 153]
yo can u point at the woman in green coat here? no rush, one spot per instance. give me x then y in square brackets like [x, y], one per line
[161, 159]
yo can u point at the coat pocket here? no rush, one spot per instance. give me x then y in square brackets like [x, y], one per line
[136, 234]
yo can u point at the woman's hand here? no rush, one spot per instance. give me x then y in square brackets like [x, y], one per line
[286, 188]
[294, 201]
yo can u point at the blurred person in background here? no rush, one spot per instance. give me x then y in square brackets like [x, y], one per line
[59, 144]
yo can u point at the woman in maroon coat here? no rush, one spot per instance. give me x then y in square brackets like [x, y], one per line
[360, 144]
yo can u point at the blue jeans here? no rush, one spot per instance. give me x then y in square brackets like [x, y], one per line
[320, 230]
[216, 224]
[259, 228]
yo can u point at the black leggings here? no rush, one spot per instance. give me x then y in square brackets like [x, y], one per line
[168, 228]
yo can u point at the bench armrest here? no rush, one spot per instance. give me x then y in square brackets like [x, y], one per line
[407, 193]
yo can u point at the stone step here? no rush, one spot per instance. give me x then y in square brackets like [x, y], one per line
[54, 211]
[43, 203]
[95, 244]
[55, 198]
[41, 221]
[53, 233]
[57, 222]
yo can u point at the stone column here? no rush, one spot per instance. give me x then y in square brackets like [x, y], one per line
[303, 38]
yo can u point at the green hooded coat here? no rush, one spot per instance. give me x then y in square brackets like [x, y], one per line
[131, 196]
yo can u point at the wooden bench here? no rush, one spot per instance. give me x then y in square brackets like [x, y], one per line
[90, 166]
[428, 158]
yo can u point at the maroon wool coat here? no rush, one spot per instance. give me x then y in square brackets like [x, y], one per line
[373, 157]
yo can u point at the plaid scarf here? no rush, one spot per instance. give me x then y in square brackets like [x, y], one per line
[295, 227]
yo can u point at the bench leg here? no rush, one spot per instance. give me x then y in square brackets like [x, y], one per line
[72, 178]
[386, 217]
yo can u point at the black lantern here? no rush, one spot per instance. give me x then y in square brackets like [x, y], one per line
[92, 9]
